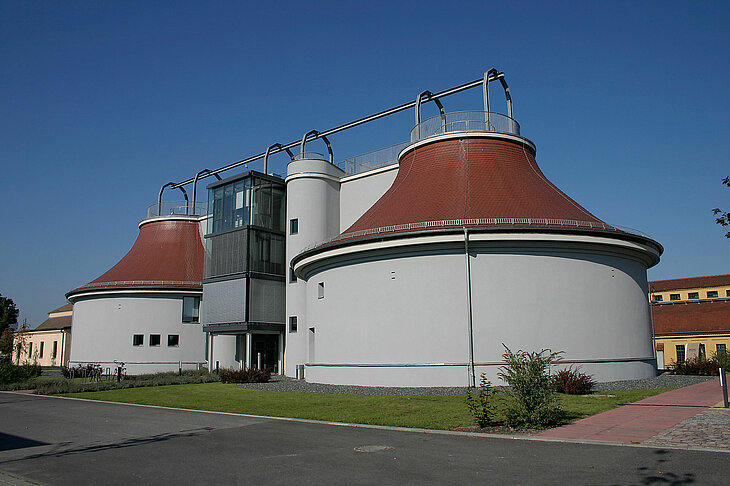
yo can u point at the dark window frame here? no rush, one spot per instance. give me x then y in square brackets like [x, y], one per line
[173, 340]
[681, 353]
[293, 324]
[193, 318]
[137, 339]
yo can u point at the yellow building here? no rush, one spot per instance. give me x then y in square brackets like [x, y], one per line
[50, 343]
[690, 317]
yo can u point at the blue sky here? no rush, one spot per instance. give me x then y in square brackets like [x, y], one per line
[102, 103]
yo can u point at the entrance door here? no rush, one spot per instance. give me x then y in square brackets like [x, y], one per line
[266, 345]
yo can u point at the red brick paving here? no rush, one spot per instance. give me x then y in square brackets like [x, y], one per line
[639, 421]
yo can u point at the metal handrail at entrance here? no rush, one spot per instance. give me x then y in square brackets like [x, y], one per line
[465, 121]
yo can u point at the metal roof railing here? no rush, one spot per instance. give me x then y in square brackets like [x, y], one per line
[458, 223]
[465, 121]
[141, 283]
[177, 208]
[372, 160]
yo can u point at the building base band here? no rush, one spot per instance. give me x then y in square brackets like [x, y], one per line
[457, 374]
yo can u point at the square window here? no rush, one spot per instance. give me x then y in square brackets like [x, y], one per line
[320, 290]
[720, 348]
[154, 339]
[712, 294]
[292, 323]
[191, 309]
[673, 296]
[138, 340]
[173, 340]
[292, 276]
[727, 293]
[293, 226]
[680, 353]
[658, 298]
[693, 295]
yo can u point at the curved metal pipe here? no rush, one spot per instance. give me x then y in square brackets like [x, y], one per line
[268, 151]
[430, 97]
[367, 119]
[317, 135]
[159, 198]
[187, 201]
[195, 185]
[507, 95]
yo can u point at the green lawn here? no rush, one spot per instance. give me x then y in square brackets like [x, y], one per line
[430, 412]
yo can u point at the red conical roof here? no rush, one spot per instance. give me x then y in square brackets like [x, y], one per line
[167, 253]
[478, 178]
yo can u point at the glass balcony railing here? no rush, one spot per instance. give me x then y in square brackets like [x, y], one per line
[178, 208]
[309, 156]
[464, 121]
[372, 160]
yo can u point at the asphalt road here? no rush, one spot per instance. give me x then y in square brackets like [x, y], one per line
[55, 441]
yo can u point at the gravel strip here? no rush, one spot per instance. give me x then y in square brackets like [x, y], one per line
[286, 384]
[661, 381]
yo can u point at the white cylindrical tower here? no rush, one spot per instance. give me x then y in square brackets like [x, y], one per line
[313, 212]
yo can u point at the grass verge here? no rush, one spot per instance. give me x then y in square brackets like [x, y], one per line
[428, 412]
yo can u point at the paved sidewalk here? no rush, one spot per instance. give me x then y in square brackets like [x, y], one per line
[680, 417]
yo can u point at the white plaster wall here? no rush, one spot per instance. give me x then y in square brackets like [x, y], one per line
[224, 351]
[359, 192]
[587, 301]
[312, 197]
[103, 328]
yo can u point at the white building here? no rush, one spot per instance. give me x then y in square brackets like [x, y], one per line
[145, 310]
[409, 266]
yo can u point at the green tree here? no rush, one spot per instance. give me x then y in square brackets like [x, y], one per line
[724, 217]
[20, 340]
[8, 313]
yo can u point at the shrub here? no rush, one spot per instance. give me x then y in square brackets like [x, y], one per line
[697, 366]
[573, 382]
[10, 373]
[248, 375]
[51, 387]
[723, 360]
[532, 401]
[481, 403]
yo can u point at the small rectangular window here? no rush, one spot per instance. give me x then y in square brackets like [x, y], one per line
[293, 226]
[693, 295]
[138, 340]
[720, 348]
[712, 294]
[30, 350]
[292, 323]
[292, 276]
[173, 340]
[191, 309]
[673, 296]
[702, 351]
[154, 339]
[727, 293]
[40, 350]
[54, 350]
[320, 290]
[658, 298]
[680, 353]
